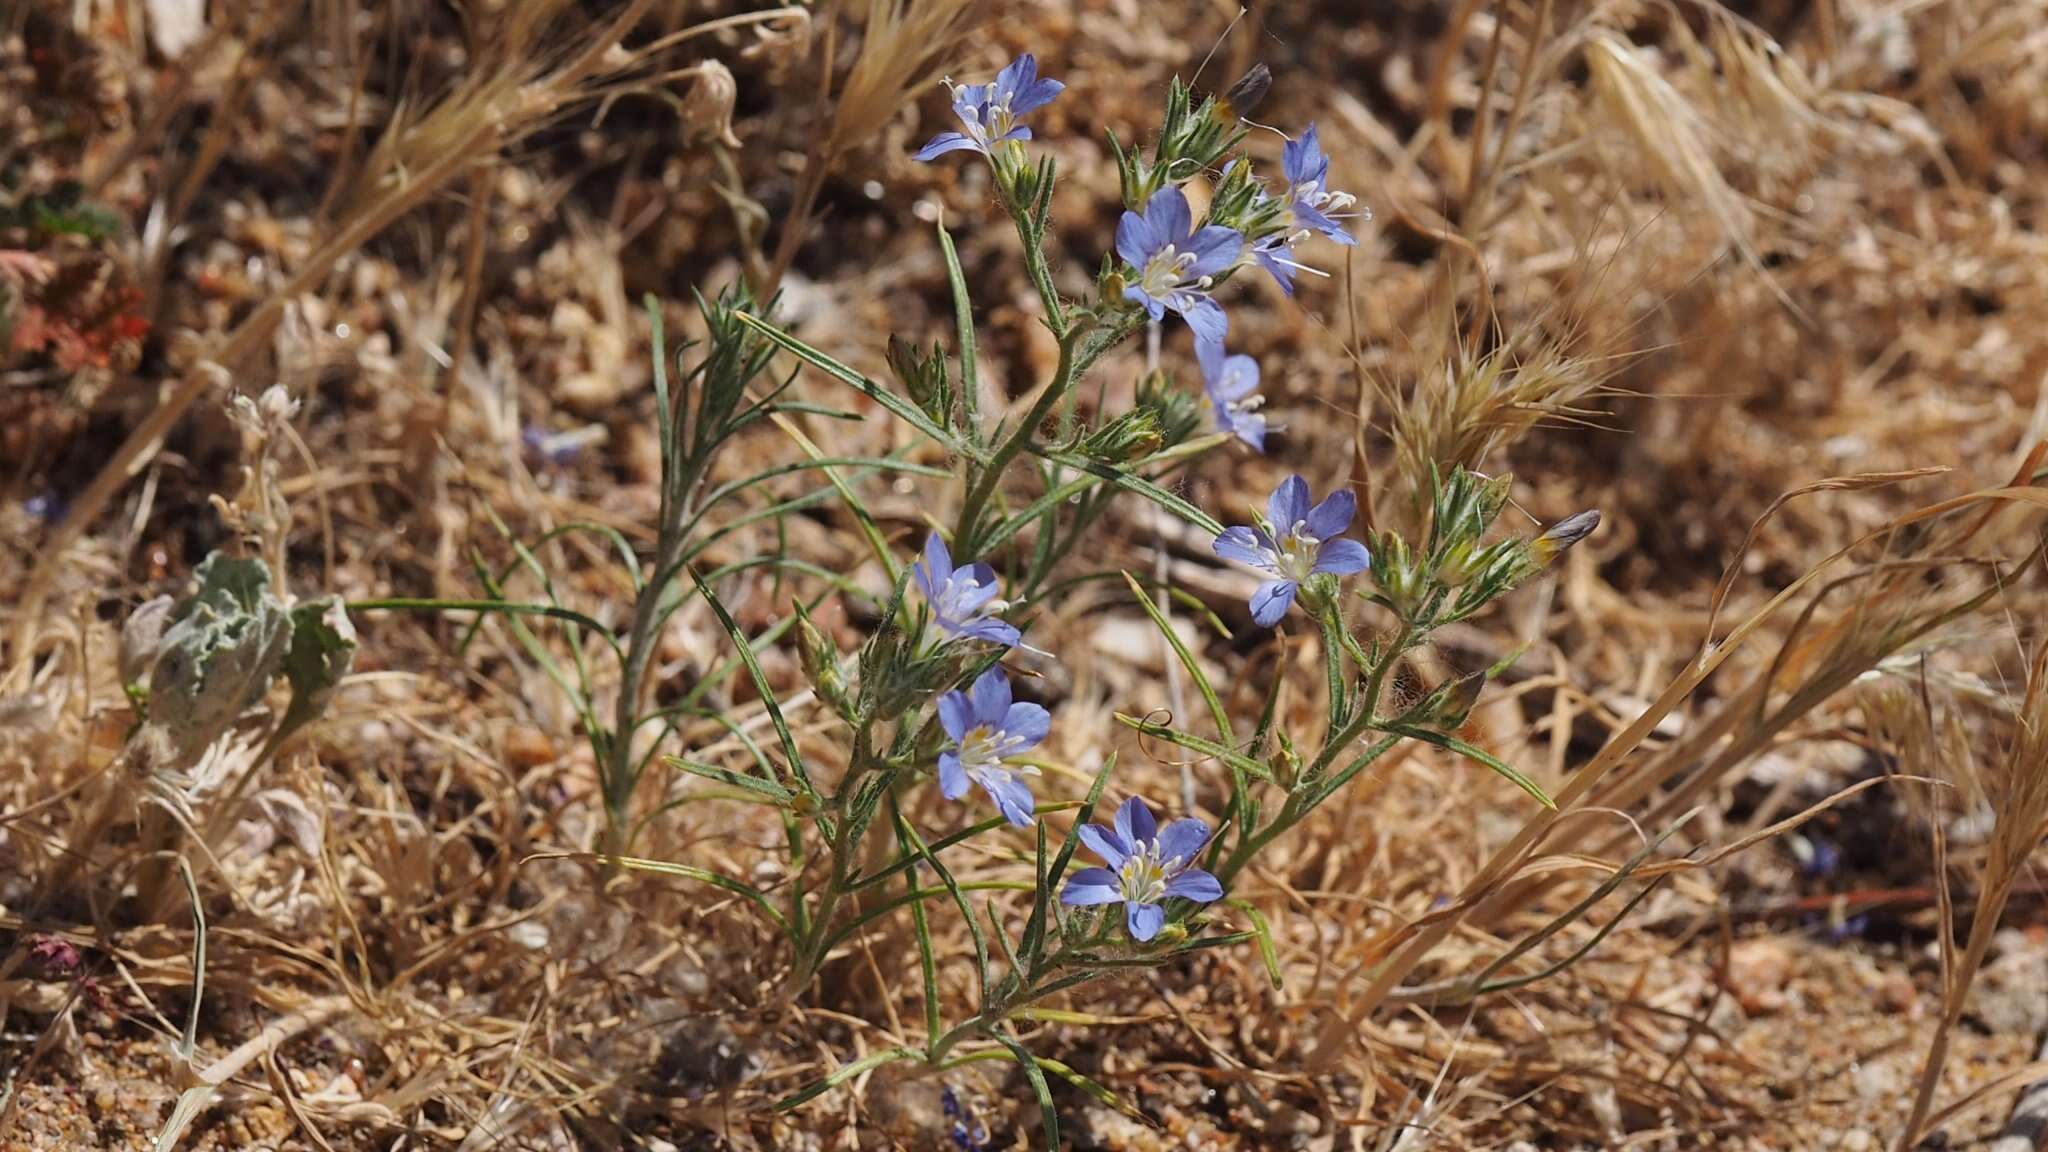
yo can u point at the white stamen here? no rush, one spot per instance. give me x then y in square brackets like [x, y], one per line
[984, 748]
[1143, 875]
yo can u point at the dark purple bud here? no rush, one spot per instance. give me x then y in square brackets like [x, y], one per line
[1247, 93]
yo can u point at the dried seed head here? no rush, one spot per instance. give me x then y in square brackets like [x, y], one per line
[783, 41]
[706, 113]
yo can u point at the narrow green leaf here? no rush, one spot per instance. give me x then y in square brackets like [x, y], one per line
[1133, 483]
[501, 607]
[1478, 755]
[1034, 925]
[807, 408]
[927, 960]
[1048, 1116]
[963, 324]
[952, 886]
[1187, 660]
[745, 652]
[1264, 934]
[873, 463]
[865, 519]
[901, 408]
[962, 836]
[687, 872]
[664, 414]
[775, 793]
[844, 1073]
[1087, 813]
[1100, 1094]
[1193, 743]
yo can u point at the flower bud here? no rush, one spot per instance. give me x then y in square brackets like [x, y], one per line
[1562, 535]
[1131, 436]
[1245, 95]
[1394, 570]
[820, 662]
[923, 375]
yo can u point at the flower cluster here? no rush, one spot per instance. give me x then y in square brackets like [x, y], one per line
[1169, 261]
[987, 729]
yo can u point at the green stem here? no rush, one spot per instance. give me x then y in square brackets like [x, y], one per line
[1307, 795]
[984, 486]
[1040, 271]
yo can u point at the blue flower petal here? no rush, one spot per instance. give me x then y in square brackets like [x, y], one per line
[1028, 722]
[1183, 838]
[1105, 843]
[1092, 886]
[1333, 515]
[1250, 429]
[1012, 796]
[1271, 602]
[1016, 75]
[1215, 248]
[1288, 505]
[1342, 556]
[1309, 216]
[1302, 161]
[938, 564]
[1236, 378]
[1156, 309]
[993, 631]
[1271, 254]
[952, 777]
[943, 143]
[985, 586]
[1144, 920]
[1135, 824]
[972, 98]
[1204, 316]
[991, 697]
[1135, 241]
[1167, 213]
[1241, 545]
[1035, 95]
[956, 715]
[1195, 884]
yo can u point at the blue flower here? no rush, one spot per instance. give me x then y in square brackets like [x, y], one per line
[963, 600]
[1177, 263]
[1146, 865]
[1292, 543]
[1275, 253]
[989, 112]
[987, 729]
[969, 1131]
[1316, 207]
[1232, 383]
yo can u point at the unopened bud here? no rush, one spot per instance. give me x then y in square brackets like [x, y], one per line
[1563, 534]
[1245, 95]
[820, 661]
